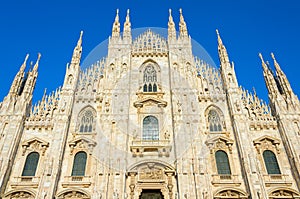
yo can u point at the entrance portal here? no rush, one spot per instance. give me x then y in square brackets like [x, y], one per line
[151, 194]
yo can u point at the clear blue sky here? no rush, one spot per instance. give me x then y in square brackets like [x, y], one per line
[52, 28]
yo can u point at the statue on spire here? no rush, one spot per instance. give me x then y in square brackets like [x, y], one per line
[116, 26]
[171, 26]
[182, 25]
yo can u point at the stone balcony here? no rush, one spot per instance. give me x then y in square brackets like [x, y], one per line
[150, 147]
[277, 179]
[232, 180]
[25, 181]
[77, 181]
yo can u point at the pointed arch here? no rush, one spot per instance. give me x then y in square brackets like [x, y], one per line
[79, 164]
[149, 76]
[215, 119]
[86, 120]
[31, 164]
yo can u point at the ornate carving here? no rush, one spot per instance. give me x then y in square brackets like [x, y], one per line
[229, 193]
[218, 143]
[35, 144]
[267, 143]
[284, 193]
[151, 174]
[21, 194]
[149, 43]
[73, 194]
[82, 143]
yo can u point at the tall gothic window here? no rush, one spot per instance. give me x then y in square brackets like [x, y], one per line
[150, 128]
[222, 161]
[79, 164]
[86, 121]
[150, 79]
[31, 163]
[271, 162]
[214, 121]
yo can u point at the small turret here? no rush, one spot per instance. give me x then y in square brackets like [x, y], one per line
[182, 26]
[31, 80]
[223, 56]
[127, 29]
[116, 27]
[171, 27]
[72, 71]
[282, 79]
[269, 79]
[18, 80]
[77, 52]
[226, 68]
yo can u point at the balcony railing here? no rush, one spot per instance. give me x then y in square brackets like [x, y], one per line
[226, 179]
[150, 142]
[147, 147]
[83, 181]
[277, 179]
[25, 181]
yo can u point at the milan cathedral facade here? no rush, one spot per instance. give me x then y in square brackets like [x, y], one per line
[150, 120]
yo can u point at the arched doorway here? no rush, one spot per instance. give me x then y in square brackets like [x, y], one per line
[151, 194]
[151, 180]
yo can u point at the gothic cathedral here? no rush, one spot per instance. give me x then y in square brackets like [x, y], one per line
[150, 121]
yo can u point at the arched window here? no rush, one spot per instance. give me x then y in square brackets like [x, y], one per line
[222, 161]
[150, 128]
[31, 163]
[86, 120]
[154, 88]
[150, 78]
[271, 162]
[214, 121]
[79, 164]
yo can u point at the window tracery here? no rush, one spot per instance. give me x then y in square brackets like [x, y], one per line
[214, 121]
[86, 120]
[150, 79]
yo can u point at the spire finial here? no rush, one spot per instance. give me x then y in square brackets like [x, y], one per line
[36, 65]
[220, 42]
[275, 62]
[23, 66]
[127, 16]
[44, 96]
[263, 63]
[80, 38]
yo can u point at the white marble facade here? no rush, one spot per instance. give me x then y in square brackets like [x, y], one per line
[150, 120]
